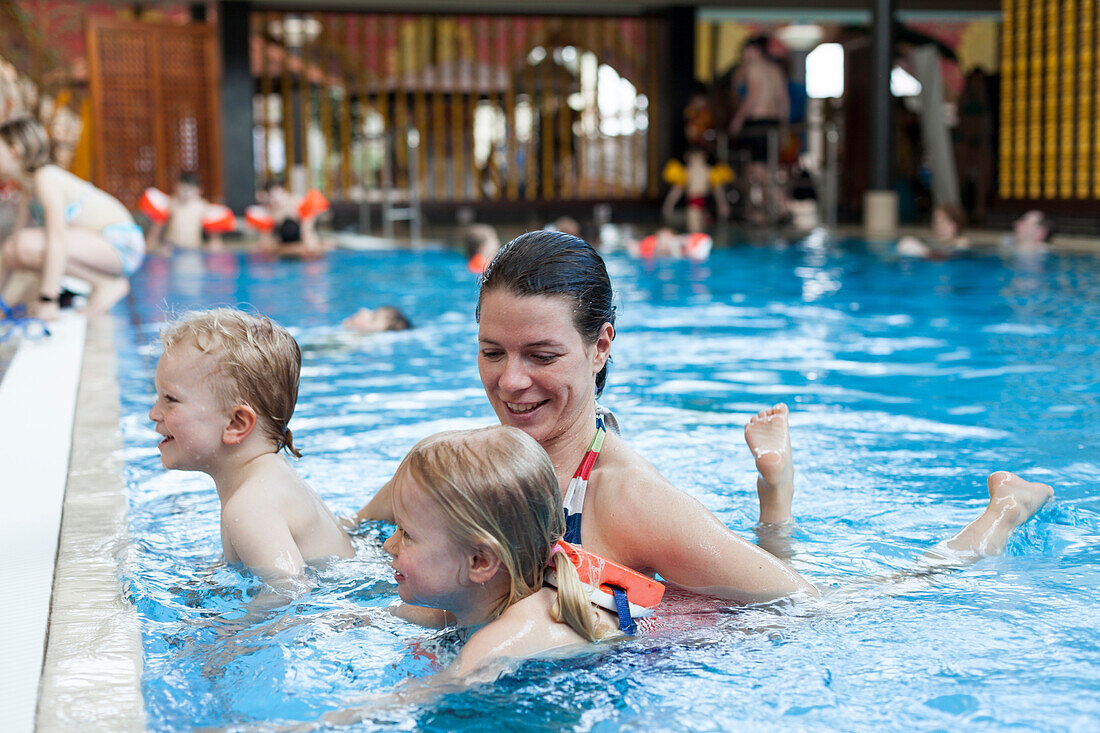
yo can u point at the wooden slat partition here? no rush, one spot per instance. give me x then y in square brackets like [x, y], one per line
[438, 74]
[154, 95]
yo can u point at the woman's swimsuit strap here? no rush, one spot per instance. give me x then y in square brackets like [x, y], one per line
[578, 485]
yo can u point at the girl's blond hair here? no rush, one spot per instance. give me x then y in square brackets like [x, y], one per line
[28, 138]
[257, 363]
[497, 489]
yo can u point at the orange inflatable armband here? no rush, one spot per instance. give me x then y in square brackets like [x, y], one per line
[477, 264]
[155, 204]
[601, 576]
[697, 246]
[258, 218]
[218, 219]
[313, 203]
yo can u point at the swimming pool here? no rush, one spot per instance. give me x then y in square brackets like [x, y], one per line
[909, 382]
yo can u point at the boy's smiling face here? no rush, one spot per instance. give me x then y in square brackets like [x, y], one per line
[187, 412]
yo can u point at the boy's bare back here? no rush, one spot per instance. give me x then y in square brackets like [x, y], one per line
[274, 522]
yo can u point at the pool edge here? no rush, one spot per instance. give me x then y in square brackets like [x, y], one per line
[91, 678]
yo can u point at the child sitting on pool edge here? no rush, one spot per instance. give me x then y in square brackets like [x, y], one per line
[227, 385]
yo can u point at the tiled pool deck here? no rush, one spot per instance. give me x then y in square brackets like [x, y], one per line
[71, 642]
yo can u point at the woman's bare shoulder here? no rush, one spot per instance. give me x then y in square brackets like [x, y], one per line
[620, 468]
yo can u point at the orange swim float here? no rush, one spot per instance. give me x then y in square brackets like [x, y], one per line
[155, 204]
[258, 218]
[313, 203]
[602, 576]
[219, 219]
[477, 264]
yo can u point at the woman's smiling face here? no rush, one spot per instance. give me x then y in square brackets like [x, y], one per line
[537, 371]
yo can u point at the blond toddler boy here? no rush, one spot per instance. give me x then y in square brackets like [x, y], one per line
[227, 385]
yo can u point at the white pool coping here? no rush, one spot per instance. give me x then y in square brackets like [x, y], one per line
[71, 643]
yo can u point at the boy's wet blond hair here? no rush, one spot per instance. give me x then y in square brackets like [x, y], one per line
[28, 138]
[497, 489]
[257, 364]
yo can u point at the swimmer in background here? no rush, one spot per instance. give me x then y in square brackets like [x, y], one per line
[292, 230]
[565, 224]
[665, 243]
[948, 221]
[1031, 234]
[184, 228]
[87, 234]
[765, 107]
[698, 180]
[481, 246]
[226, 387]
[384, 318]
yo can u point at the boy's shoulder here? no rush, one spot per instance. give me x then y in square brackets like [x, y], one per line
[268, 482]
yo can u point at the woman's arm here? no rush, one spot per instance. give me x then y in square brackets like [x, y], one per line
[432, 618]
[379, 508]
[647, 524]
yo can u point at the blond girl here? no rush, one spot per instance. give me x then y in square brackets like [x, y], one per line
[479, 520]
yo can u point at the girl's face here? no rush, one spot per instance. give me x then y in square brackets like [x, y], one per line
[429, 566]
[538, 373]
[187, 413]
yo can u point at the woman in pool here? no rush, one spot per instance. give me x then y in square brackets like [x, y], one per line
[546, 326]
[88, 233]
[478, 545]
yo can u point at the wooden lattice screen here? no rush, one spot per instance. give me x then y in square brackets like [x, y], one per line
[154, 94]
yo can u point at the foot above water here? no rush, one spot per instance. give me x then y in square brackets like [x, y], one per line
[768, 437]
[1016, 499]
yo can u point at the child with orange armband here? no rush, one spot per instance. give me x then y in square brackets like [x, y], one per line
[286, 224]
[181, 220]
[481, 245]
[666, 243]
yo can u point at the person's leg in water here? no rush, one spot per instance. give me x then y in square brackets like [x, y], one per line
[1012, 501]
[88, 257]
[768, 437]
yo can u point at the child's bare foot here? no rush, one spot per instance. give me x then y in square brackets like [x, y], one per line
[106, 294]
[1014, 499]
[769, 440]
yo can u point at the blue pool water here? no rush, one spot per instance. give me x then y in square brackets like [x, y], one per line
[909, 382]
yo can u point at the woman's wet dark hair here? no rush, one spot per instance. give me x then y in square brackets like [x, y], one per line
[556, 263]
